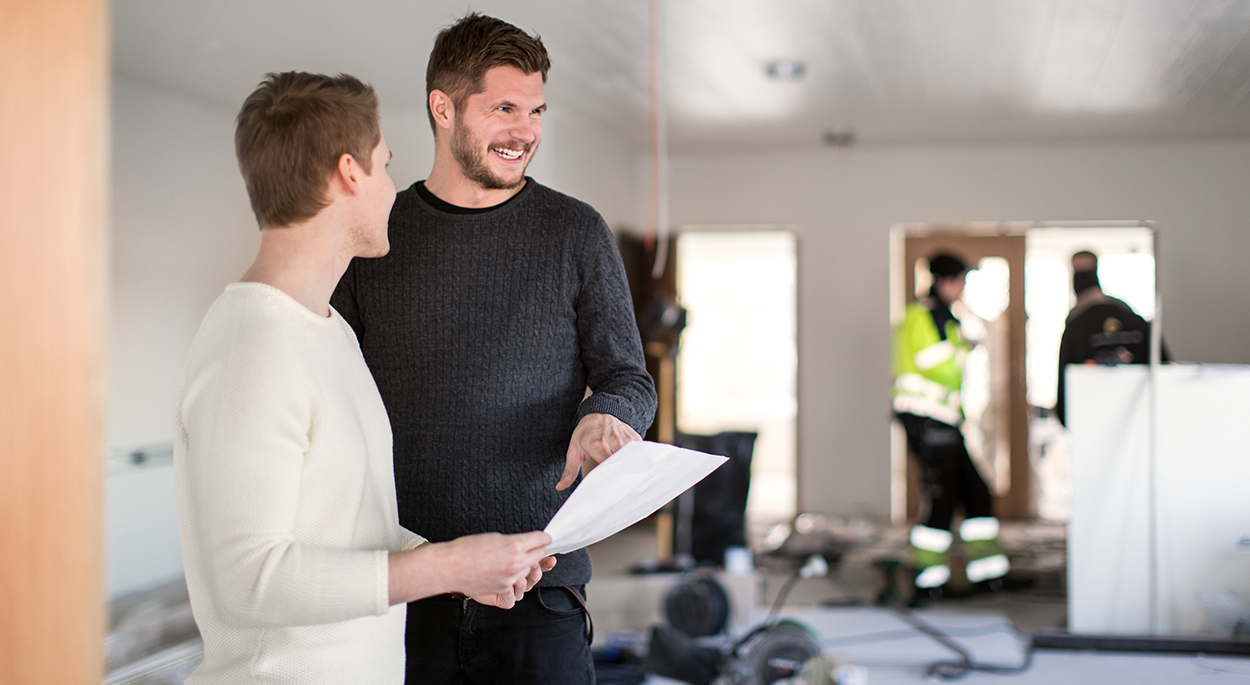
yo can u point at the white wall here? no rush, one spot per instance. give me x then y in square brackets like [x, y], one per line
[845, 202]
[183, 229]
[594, 164]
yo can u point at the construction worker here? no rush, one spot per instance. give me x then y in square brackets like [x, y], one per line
[929, 353]
[1100, 329]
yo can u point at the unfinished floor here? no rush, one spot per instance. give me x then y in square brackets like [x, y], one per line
[858, 624]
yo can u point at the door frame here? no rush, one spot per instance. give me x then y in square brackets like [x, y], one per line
[973, 241]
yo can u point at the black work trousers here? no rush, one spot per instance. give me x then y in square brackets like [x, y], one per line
[545, 639]
[950, 477]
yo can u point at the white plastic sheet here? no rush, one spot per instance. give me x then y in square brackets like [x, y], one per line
[627, 487]
[1201, 511]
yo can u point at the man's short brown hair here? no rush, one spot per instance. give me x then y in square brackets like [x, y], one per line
[466, 50]
[289, 137]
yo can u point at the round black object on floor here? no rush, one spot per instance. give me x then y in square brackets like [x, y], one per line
[698, 607]
[777, 653]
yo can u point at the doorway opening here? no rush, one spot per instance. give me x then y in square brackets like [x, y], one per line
[1126, 270]
[996, 431]
[738, 366]
[1019, 296]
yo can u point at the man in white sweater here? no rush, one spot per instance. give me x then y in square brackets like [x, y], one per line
[297, 567]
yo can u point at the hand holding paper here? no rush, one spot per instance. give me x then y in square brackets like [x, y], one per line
[640, 478]
[596, 438]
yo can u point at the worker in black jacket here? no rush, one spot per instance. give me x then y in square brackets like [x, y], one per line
[1100, 329]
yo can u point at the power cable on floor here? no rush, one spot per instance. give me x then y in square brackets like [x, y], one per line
[782, 594]
[771, 620]
[954, 670]
[908, 633]
[1200, 658]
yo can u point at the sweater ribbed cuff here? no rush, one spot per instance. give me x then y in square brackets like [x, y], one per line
[602, 403]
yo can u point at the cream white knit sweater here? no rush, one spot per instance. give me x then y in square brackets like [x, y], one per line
[286, 498]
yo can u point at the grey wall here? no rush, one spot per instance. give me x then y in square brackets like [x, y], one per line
[845, 202]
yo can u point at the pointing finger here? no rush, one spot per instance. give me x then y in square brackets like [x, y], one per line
[572, 466]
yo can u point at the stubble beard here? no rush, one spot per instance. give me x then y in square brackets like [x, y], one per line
[370, 242]
[470, 154]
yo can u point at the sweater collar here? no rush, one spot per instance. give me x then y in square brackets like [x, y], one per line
[443, 206]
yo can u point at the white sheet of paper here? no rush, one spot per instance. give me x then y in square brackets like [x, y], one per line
[627, 487]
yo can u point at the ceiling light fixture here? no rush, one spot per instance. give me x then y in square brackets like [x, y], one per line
[785, 70]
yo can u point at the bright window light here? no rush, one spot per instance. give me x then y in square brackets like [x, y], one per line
[738, 363]
[986, 289]
[1130, 277]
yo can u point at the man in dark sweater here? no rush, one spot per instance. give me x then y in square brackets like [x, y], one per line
[501, 302]
[1100, 329]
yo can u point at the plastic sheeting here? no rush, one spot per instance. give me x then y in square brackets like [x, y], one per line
[1129, 572]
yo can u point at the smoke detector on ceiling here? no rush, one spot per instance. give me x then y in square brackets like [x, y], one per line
[839, 137]
[785, 70]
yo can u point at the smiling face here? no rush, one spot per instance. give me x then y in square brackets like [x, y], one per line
[496, 131]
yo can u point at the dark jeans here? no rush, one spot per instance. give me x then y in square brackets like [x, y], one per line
[544, 639]
[950, 477]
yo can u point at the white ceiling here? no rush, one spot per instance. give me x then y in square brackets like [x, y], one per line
[887, 70]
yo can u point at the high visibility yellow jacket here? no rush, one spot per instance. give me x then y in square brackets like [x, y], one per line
[928, 370]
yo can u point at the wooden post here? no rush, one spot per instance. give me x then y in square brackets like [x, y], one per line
[53, 303]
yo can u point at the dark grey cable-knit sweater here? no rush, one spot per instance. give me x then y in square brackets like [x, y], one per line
[483, 332]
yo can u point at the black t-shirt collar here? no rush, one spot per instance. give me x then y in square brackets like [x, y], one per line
[444, 206]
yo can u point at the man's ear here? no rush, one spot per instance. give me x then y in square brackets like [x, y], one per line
[347, 174]
[442, 108]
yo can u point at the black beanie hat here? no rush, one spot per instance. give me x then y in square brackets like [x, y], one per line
[944, 264]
